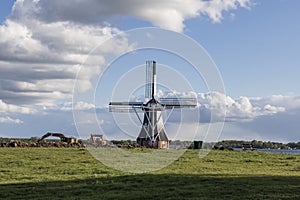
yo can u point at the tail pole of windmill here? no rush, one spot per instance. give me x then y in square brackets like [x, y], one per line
[153, 133]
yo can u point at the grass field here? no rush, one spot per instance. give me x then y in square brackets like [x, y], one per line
[64, 173]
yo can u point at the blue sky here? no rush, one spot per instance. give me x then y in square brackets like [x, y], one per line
[255, 45]
[5, 9]
[262, 43]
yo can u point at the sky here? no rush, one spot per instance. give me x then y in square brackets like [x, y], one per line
[45, 48]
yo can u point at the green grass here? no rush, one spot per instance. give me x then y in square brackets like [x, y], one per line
[36, 173]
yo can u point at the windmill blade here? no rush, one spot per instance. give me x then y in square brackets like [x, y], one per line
[130, 103]
[153, 79]
[178, 102]
[149, 80]
[150, 88]
[125, 107]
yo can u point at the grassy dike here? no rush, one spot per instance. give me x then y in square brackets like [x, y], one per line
[65, 173]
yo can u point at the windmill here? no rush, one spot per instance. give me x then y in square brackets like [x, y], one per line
[153, 132]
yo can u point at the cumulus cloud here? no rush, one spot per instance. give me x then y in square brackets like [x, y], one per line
[215, 8]
[39, 60]
[289, 102]
[10, 108]
[168, 14]
[9, 120]
[67, 106]
[218, 107]
[238, 109]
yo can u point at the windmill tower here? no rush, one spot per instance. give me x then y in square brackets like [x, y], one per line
[153, 133]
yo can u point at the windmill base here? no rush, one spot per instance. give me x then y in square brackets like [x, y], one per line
[160, 144]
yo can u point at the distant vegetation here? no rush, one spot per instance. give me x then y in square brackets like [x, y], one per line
[226, 143]
[182, 144]
[259, 144]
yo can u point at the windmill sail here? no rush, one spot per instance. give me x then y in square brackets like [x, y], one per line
[150, 87]
[178, 102]
[125, 106]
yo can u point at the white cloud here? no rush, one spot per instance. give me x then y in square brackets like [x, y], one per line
[9, 120]
[67, 106]
[215, 8]
[55, 43]
[168, 14]
[39, 60]
[218, 106]
[289, 102]
[13, 109]
[243, 109]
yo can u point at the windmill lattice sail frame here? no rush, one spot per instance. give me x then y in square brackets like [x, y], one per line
[153, 133]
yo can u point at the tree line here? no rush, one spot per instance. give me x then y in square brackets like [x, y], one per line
[226, 143]
[259, 144]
